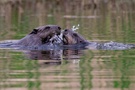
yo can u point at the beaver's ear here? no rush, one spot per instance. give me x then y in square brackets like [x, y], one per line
[34, 31]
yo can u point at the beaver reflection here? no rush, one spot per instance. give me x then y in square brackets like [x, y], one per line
[44, 55]
[72, 54]
[54, 56]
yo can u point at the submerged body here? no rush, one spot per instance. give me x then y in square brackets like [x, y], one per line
[46, 38]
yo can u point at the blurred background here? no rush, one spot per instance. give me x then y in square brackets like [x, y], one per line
[99, 20]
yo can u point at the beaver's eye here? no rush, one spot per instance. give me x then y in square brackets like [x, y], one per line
[59, 28]
[66, 30]
[34, 31]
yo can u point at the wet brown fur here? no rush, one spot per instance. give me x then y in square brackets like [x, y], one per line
[40, 35]
[70, 37]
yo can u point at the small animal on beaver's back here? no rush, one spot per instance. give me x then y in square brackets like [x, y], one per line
[40, 35]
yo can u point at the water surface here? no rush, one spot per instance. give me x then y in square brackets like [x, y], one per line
[101, 21]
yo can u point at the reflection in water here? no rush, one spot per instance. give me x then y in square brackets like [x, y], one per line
[44, 55]
[100, 20]
[54, 56]
[107, 71]
[68, 69]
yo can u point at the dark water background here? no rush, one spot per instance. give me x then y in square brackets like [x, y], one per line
[100, 20]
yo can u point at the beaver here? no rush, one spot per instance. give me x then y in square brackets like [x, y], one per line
[40, 35]
[70, 37]
[74, 40]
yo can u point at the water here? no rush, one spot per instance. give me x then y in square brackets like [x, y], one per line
[99, 21]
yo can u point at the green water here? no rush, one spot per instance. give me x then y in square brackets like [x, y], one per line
[109, 20]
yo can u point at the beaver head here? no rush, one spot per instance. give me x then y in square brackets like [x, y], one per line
[46, 32]
[71, 37]
[40, 35]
